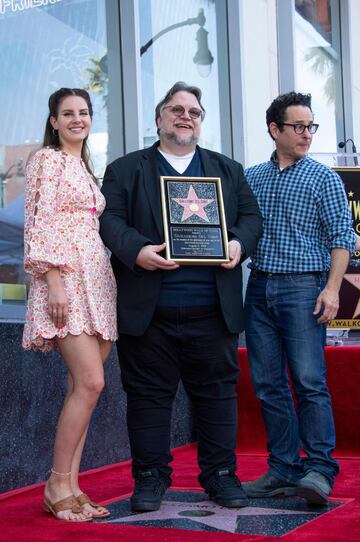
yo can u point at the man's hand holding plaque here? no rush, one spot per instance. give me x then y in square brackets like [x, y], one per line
[149, 258]
[234, 255]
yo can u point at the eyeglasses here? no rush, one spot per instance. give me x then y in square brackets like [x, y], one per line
[300, 128]
[179, 110]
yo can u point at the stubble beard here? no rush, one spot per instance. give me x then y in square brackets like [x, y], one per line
[182, 141]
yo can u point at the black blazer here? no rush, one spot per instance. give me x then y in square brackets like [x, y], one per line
[133, 218]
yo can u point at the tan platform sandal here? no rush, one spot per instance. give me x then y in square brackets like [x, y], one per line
[85, 499]
[69, 503]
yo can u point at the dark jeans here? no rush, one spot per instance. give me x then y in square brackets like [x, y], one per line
[194, 345]
[282, 334]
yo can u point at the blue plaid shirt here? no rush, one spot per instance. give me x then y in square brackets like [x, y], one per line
[305, 213]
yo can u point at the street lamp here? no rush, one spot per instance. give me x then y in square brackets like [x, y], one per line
[203, 57]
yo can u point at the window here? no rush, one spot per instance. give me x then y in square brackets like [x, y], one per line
[188, 44]
[260, 81]
[43, 46]
[354, 17]
[318, 66]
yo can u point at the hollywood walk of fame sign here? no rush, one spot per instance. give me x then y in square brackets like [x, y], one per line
[348, 315]
[194, 220]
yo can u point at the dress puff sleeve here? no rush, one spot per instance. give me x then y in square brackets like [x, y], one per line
[46, 242]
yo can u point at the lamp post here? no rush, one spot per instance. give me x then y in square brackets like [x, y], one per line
[203, 57]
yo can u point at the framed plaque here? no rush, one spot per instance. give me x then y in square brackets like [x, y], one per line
[194, 220]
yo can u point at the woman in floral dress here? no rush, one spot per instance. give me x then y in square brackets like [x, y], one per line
[72, 298]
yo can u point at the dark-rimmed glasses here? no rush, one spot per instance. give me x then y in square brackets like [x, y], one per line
[179, 110]
[300, 128]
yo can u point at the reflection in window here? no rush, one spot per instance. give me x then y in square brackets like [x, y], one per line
[43, 46]
[183, 52]
[258, 18]
[354, 6]
[317, 61]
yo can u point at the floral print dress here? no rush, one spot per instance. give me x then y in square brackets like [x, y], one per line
[62, 209]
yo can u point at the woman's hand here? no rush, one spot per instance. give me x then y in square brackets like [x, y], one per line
[57, 301]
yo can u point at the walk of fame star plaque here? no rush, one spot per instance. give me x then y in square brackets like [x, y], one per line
[192, 511]
[194, 220]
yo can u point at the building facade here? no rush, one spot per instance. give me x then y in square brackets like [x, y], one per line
[241, 53]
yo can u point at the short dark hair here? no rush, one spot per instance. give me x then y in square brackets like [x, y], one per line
[179, 86]
[277, 110]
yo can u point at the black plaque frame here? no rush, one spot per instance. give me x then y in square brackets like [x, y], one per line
[199, 235]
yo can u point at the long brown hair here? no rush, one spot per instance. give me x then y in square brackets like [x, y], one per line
[51, 136]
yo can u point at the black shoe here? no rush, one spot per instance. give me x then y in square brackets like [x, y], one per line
[268, 486]
[315, 488]
[225, 489]
[150, 487]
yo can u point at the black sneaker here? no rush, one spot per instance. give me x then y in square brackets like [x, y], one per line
[149, 490]
[225, 489]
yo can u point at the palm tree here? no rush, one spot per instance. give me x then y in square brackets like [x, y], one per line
[323, 64]
[97, 78]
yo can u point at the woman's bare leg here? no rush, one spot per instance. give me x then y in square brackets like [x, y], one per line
[105, 349]
[83, 359]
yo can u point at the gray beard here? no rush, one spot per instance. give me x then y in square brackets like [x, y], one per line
[182, 141]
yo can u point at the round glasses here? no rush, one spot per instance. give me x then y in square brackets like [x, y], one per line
[300, 128]
[179, 110]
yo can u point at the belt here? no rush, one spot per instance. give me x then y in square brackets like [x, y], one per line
[268, 274]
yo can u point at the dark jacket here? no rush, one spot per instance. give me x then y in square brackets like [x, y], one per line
[133, 218]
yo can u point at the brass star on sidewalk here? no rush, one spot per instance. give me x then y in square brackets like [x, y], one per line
[208, 513]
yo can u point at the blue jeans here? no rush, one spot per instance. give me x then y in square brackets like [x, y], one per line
[283, 337]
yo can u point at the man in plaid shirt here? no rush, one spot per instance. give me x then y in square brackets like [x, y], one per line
[293, 291]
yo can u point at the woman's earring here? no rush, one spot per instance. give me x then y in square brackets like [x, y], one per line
[55, 133]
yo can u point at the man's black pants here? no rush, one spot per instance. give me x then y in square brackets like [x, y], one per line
[194, 345]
